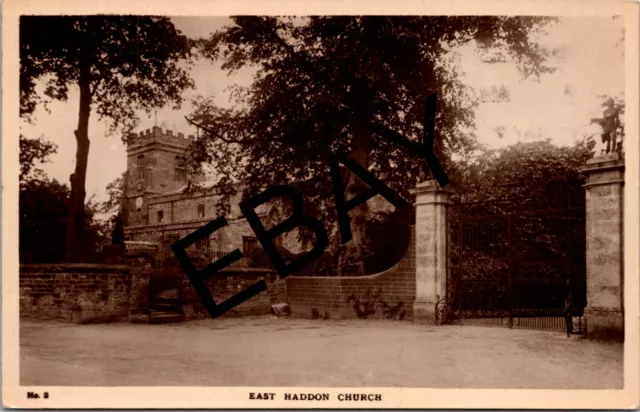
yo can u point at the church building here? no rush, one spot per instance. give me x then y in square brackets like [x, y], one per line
[156, 207]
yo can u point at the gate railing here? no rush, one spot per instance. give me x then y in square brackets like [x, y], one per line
[515, 269]
[240, 263]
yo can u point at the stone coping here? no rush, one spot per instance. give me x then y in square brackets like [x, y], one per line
[606, 157]
[430, 186]
[603, 166]
[72, 268]
[604, 162]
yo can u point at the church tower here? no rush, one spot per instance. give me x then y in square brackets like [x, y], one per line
[154, 166]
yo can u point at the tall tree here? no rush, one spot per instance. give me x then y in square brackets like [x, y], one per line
[120, 64]
[324, 83]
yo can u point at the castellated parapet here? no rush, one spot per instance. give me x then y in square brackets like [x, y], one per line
[156, 135]
[154, 167]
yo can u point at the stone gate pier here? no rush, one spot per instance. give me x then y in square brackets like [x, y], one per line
[431, 249]
[605, 249]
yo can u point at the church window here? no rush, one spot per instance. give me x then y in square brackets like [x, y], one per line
[140, 167]
[180, 174]
[249, 244]
[160, 216]
[201, 210]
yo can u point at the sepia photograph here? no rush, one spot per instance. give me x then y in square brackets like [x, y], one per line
[307, 208]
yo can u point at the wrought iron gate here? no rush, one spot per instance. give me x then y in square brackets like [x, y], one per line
[514, 262]
[166, 297]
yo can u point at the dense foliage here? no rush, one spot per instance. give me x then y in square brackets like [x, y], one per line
[120, 64]
[526, 202]
[518, 170]
[323, 83]
[44, 207]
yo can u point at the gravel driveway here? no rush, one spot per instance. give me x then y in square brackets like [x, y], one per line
[269, 351]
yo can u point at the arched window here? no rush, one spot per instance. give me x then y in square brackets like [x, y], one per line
[140, 167]
[180, 174]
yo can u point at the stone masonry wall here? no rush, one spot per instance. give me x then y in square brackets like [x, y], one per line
[605, 249]
[605, 227]
[74, 292]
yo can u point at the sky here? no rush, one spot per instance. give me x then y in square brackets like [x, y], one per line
[559, 106]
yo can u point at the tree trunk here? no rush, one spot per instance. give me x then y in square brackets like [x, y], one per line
[354, 252]
[75, 221]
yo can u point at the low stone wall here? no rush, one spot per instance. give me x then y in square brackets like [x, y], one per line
[229, 282]
[74, 292]
[80, 292]
[331, 294]
[328, 294]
